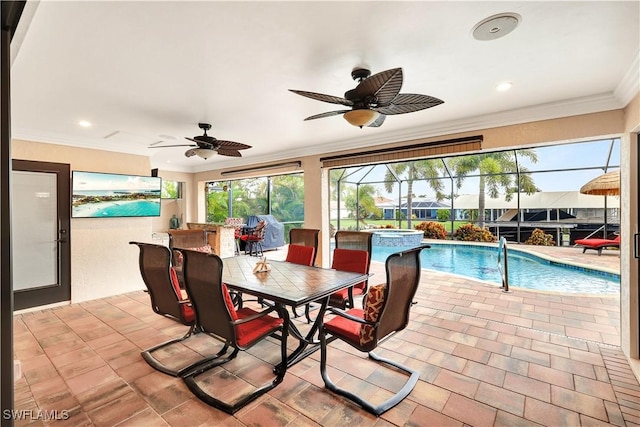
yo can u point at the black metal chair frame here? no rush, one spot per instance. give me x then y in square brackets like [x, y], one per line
[203, 278]
[155, 265]
[399, 291]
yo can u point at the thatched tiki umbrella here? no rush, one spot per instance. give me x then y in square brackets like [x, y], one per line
[603, 185]
[607, 184]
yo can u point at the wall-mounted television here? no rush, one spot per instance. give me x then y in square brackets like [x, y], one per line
[110, 195]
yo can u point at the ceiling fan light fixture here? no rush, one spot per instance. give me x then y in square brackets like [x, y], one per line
[361, 117]
[205, 153]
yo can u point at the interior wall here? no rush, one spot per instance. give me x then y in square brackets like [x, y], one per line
[181, 208]
[629, 202]
[102, 261]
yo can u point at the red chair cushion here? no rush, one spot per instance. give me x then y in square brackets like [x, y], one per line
[299, 254]
[355, 332]
[187, 310]
[248, 332]
[345, 328]
[354, 260]
[596, 243]
[229, 302]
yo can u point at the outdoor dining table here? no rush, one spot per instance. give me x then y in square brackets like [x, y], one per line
[292, 285]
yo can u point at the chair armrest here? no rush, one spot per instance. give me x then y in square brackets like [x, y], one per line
[254, 317]
[346, 315]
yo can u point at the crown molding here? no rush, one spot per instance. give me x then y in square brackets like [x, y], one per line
[629, 86]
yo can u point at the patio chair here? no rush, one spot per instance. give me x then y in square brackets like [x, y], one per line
[304, 237]
[358, 242]
[167, 299]
[385, 312]
[254, 238]
[598, 244]
[236, 329]
[352, 240]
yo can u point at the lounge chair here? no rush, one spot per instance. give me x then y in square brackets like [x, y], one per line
[598, 244]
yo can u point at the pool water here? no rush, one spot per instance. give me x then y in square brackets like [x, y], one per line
[525, 270]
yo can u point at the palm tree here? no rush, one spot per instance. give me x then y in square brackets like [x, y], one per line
[360, 200]
[497, 172]
[287, 198]
[430, 169]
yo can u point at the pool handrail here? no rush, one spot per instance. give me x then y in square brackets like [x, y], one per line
[504, 266]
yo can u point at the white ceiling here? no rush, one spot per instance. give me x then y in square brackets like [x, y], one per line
[143, 72]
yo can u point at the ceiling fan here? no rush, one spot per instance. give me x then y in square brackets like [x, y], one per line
[208, 145]
[375, 97]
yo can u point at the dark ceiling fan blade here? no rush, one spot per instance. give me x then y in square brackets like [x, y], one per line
[229, 152]
[176, 145]
[378, 122]
[384, 86]
[408, 103]
[202, 139]
[328, 114]
[325, 98]
[232, 145]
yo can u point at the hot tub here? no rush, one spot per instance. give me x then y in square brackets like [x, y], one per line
[391, 237]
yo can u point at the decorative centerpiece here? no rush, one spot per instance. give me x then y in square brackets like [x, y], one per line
[262, 266]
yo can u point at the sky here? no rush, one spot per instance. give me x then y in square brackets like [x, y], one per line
[567, 156]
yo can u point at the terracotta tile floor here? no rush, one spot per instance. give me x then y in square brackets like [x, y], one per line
[485, 358]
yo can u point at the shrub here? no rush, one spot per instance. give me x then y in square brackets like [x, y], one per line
[443, 214]
[540, 238]
[432, 230]
[473, 233]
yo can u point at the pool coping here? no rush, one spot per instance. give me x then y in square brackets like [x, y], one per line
[528, 252]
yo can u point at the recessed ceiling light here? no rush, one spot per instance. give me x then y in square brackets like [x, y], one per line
[501, 87]
[84, 123]
[496, 26]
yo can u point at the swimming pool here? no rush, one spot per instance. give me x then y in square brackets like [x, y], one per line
[525, 270]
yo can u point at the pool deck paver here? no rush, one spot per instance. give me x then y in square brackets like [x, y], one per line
[485, 357]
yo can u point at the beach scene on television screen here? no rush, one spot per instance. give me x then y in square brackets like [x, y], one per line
[100, 195]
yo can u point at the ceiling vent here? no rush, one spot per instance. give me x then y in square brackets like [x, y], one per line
[496, 26]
